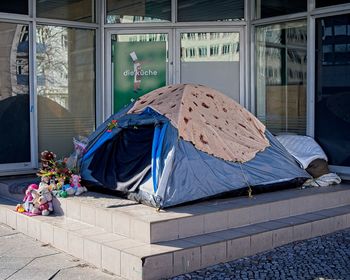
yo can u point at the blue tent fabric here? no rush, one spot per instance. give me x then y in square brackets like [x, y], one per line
[156, 139]
[197, 174]
[157, 153]
[176, 171]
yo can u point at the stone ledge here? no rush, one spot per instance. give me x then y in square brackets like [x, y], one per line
[205, 217]
[145, 224]
[133, 259]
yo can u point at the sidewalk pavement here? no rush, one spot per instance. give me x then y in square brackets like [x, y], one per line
[24, 258]
[325, 257]
[320, 258]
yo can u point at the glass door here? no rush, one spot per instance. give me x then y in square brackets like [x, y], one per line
[139, 63]
[213, 58]
[332, 89]
[15, 102]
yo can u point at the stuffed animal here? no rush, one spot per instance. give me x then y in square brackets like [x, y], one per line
[42, 202]
[63, 194]
[29, 197]
[68, 189]
[45, 196]
[75, 183]
[20, 208]
[45, 180]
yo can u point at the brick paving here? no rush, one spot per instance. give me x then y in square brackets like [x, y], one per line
[326, 257]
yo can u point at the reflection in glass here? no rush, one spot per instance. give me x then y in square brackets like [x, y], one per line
[324, 3]
[206, 10]
[272, 8]
[332, 101]
[14, 94]
[139, 63]
[125, 11]
[211, 59]
[65, 86]
[281, 76]
[14, 6]
[76, 10]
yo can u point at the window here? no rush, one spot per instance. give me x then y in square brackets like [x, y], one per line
[14, 7]
[14, 94]
[272, 8]
[203, 61]
[206, 10]
[75, 10]
[281, 76]
[66, 86]
[191, 36]
[202, 36]
[226, 49]
[324, 3]
[125, 11]
[202, 51]
[214, 50]
[332, 88]
[190, 52]
[214, 36]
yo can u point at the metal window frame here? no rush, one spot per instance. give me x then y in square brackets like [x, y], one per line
[108, 81]
[24, 167]
[102, 84]
[32, 21]
[174, 45]
[343, 171]
[310, 15]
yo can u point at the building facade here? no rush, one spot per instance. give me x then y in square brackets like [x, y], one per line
[67, 65]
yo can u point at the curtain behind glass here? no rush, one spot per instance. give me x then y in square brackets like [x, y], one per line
[281, 77]
[206, 10]
[66, 86]
[76, 10]
[272, 8]
[130, 11]
[14, 6]
[325, 3]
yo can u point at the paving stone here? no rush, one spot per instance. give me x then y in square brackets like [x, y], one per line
[44, 267]
[21, 257]
[21, 246]
[83, 273]
[320, 258]
[6, 230]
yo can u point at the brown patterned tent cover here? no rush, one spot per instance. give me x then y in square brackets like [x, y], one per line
[213, 122]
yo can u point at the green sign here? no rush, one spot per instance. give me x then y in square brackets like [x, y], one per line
[139, 67]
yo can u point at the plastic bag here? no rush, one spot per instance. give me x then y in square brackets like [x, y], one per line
[80, 144]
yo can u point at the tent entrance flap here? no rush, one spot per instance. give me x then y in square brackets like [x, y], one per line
[159, 134]
[128, 161]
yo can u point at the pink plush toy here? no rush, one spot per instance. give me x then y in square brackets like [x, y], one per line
[75, 184]
[75, 181]
[29, 197]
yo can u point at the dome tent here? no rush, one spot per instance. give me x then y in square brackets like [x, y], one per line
[183, 143]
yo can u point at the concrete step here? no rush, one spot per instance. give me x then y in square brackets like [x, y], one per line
[132, 259]
[15, 186]
[145, 224]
